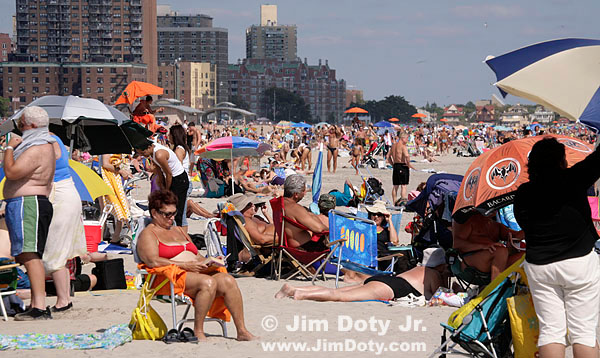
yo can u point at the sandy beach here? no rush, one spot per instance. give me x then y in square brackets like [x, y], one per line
[359, 325]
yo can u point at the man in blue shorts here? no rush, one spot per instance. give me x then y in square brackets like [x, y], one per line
[29, 164]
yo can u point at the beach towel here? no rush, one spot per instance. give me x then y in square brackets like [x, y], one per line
[177, 275]
[66, 235]
[33, 137]
[109, 339]
[119, 201]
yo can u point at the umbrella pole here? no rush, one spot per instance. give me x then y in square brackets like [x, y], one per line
[232, 171]
[72, 142]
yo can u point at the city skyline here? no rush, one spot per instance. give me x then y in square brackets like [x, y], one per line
[426, 52]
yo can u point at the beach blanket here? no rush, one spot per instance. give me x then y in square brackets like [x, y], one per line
[177, 275]
[108, 339]
[105, 247]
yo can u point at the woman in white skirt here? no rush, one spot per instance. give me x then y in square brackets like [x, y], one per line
[66, 235]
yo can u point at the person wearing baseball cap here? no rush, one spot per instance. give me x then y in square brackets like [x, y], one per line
[261, 233]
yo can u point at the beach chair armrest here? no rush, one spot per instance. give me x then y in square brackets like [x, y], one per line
[8, 267]
[333, 243]
[389, 257]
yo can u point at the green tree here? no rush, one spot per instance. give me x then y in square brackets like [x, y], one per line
[4, 107]
[289, 106]
[390, 106]
[239, 102]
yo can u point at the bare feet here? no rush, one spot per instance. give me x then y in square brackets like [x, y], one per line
[246, 336]
[201, 337]
[285, 291]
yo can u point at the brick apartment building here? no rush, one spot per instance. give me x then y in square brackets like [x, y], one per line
[23, 82]
[193, 83]
[6, 47]
[74, 36]
[316, 84]
[192, 38]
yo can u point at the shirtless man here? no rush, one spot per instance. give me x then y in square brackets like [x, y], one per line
[357, 153]
[29, 164]
[419, 281]
[294, 188]
[260, 232]
[332, 147]
[195, 135]
[399, 158]
[478, 238]
[361, 135]
[144, 108]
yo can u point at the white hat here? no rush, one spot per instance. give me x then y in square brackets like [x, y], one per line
[378, 207]
[433, 257]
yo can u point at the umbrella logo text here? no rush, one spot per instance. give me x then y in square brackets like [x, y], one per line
[575, 145]
[503, 174]
[471, 184]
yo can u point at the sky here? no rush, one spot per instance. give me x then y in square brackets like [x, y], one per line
[426, 50]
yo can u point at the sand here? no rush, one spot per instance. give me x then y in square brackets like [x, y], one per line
[332, 322]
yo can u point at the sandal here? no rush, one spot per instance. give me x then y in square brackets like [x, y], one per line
[172, 336]
[187, 335]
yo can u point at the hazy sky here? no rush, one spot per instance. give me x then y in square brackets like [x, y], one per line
[423, 50]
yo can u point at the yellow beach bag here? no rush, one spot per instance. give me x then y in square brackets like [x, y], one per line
[146, 323]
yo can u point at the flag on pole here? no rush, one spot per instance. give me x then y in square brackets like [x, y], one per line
[317, 176]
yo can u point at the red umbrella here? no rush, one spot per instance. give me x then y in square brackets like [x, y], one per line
[356, 110]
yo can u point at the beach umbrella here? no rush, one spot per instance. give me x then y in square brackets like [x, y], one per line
[232, 147]
[137, 89]
[321, 124]
[394, 119]
[283, 125]
[563, 75]
[383, 124]
[89, 185]
[419, 115]
[502, 128]
[317, 178]
[86, 124]
[301, 125]
[444, 120]
[356, 110]
[493, 177]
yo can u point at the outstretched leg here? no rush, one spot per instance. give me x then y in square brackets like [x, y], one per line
[371, 291]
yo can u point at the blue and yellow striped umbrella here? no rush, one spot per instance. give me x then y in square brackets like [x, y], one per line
[89, 185]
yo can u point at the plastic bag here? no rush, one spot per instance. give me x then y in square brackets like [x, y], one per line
[145, 322]
[524, 325]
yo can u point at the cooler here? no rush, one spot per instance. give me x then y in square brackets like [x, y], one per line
[93, 234]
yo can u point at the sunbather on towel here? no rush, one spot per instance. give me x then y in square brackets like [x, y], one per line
[419, 281]
[477, 240]
[294, 188]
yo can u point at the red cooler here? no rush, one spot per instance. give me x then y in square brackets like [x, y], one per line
[93, 234]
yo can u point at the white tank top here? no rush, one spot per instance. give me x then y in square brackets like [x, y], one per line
[173, 162]
[186, 160]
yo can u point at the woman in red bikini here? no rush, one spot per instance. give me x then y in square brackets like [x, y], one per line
[162, 244]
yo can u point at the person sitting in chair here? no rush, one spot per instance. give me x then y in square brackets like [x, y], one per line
[420, 281]
[300, 233]
[162, 244]
[326, 203]
[260, 232]
[477, 240]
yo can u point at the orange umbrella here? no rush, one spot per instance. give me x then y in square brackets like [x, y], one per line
[444, 120]
[356, 110]
[394, 119]
[135, 90]
[492, 179]
[554, 121]
[419, 115]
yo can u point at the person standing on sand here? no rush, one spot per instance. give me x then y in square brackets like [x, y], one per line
[29, 164]
[332, 147]
[399, 158]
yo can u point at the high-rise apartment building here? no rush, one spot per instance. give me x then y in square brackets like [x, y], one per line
[317, 84]
[269, 40]
[193, 83]
[192, 38]
[80, 35]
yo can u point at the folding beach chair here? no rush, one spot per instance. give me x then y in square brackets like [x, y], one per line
[358, 251]
[262, 253]
[300, 260]
[481, 328]
[172, 298]
[8, 282]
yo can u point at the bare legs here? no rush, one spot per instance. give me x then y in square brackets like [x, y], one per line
[37, 275]
[557, 350]
[62, 282]
[335, 158]
[370, 291]
[204, 289]
[395, 194]
[329, 156]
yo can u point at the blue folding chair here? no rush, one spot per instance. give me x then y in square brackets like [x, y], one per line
[358, 252]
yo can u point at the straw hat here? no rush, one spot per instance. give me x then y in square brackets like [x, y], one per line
[378, 207]
[433, 257]
[240, 201]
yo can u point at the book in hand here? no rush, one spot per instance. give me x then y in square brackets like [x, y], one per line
[215, 261]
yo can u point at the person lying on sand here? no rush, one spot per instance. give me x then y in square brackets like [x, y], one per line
[419, 281]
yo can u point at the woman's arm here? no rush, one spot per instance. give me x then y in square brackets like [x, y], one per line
[147, 248]
[180, 153]
[392, 232]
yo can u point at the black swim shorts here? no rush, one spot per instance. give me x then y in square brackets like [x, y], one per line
[400, 174]
[400, 286]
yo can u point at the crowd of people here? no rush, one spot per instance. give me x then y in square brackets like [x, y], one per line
[39, 185]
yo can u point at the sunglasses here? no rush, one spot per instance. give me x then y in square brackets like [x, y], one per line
[167, 214]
